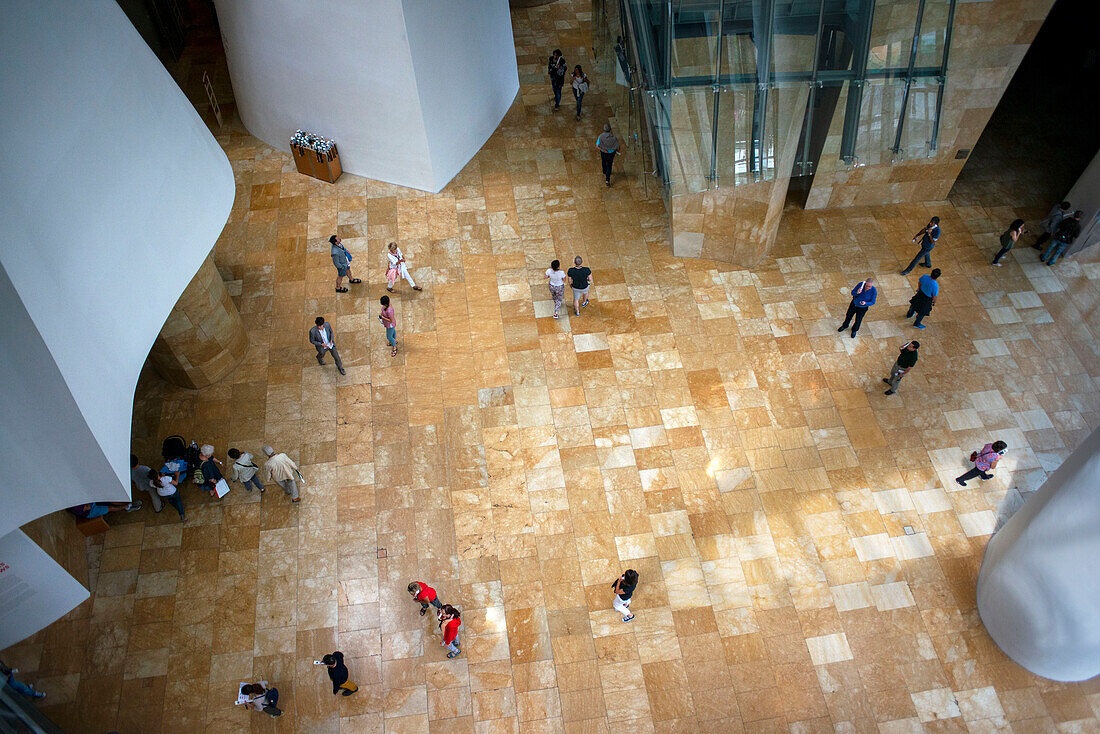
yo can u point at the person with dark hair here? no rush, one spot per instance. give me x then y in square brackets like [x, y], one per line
[907, 358]
[322, 339]
[1008, 239]
[139, 481]
[608, 145]
[449, 622]
[167, 488]
[244, 470]
[90, 510]
[424, 595]
[984, 462]
[556, 278]
[928, 237]
[556, 69]
[580, 87]
[863, 297]
[1068, 230]
[1050, 225]
[338, 674]
[341, 258]
[925, 298]
[389, 321]
[624, 590]
[259, 697]
[580, 280]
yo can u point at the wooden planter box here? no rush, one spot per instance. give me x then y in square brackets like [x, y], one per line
[324, 166]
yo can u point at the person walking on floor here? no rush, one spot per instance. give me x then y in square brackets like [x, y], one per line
[341, 258]
[608, 145]
[984, 462]
[167, 489]
[449, 622]
[260, 697]
[580, 87]
[556, 69]
[907, 357]
[211, 474]
[398, 268]
[555, 276]
[1068, 230]
[1009, 239]
[1050, 225]
[18, 686]
[244, 470]
[580, 280]
[279, 468]
[139, 481]
[863, 297]
[925, 298]
[624, 590]
[927, 237]
[389, 320]
[424, 595]
[322, 339]
[338, 674]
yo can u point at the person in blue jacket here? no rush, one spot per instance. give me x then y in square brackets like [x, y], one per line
[863, 297]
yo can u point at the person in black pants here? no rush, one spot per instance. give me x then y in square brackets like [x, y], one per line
[1009, 239]
[556, 69]
[863, 297]
[927, 237]
[984, 461]
[608, 145]
[338, 674]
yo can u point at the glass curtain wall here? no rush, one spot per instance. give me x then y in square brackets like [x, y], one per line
[739, 91]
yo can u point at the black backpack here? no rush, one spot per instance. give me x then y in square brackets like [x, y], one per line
[173, 447]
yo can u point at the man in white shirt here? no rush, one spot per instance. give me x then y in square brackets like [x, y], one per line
[322, 339]
[244, 470]
[139, 478]
[281, 469]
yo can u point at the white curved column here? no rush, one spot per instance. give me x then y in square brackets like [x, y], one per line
[409, 90]
[112, 194]
[1039, 585]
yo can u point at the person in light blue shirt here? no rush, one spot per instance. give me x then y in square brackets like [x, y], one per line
[863, 297]
[925, 298]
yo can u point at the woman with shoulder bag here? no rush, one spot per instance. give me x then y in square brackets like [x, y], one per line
[580, 86]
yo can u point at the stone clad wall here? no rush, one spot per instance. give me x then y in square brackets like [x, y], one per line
[988, 43]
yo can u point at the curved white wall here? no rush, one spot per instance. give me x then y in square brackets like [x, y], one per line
[112, 193]
[1039, 585]
[409, 91]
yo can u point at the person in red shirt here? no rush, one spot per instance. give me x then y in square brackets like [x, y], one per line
[449, 622]
[424, 594]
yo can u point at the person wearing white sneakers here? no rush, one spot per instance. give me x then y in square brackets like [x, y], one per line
[556, 277]
[624, 589]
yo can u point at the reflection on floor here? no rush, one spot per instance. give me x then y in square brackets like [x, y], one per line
[807, 562]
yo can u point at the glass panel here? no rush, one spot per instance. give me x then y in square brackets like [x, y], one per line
[892, 34]
[920, 114]
[657, 112]
[878, 119]
[650, 21]
[820, 119]
[692, 117]
[933, 33]
[695, 43]
[738, 50]
[735, 105]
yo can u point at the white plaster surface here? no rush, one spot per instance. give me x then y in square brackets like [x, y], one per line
[112, 193]
[1039, 586]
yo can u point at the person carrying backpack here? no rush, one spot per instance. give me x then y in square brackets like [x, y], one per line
[259, 697]
[244, 470]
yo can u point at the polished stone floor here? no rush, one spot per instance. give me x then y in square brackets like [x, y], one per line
[807, 563]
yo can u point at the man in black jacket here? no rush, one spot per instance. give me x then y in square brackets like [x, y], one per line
[1067, 232]
[338, 674]
[556, 69]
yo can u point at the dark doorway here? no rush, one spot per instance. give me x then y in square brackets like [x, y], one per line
[1045, 130]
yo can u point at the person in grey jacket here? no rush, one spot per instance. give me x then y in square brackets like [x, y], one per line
[341, 258]
[1050, 225]
[320, 336]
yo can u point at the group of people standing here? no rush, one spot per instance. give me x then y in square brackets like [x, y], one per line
[1061, 227]
[164, 484]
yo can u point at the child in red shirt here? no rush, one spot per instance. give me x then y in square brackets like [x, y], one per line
[449, 622]
[424, 594]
